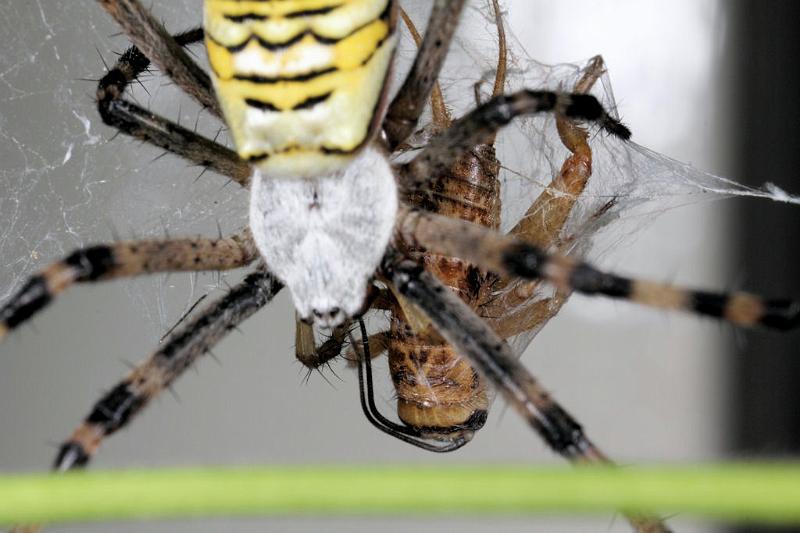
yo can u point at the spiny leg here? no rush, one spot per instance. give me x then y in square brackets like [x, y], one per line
[150, 36]
[119, 405]
[439, 114]
[407, 106]
[138, 122]
[360, 354]
[462, 328]
[465, 330]
[125, 259]
[312, 356]
[480, 126]
[508, 256]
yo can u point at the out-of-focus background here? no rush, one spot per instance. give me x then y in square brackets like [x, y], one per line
[703, 81]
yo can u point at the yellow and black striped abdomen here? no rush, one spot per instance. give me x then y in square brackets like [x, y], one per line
[301, 82]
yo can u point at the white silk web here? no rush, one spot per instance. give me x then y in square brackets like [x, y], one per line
[64, 183]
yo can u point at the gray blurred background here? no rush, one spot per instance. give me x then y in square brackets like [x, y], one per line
[704, 81]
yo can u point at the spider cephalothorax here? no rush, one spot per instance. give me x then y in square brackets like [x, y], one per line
[324, 237]
[301, 84]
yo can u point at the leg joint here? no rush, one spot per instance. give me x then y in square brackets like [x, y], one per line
[90, 264]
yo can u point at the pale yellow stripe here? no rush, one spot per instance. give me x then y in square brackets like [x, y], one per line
[658, 295]
[744, 309]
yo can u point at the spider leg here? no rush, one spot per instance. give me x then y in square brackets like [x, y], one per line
[407, 106]
[480, 126]
[138, 122]
[440, 116]
[312, 356]
[462, 328]
[509, 256]
[150, 36]
[125, 259]
[119, 405]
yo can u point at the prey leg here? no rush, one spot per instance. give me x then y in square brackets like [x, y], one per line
[543, 222]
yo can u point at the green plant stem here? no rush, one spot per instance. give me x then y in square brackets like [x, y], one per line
[736, 493]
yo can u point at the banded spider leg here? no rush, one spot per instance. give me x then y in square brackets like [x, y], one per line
[133, 258]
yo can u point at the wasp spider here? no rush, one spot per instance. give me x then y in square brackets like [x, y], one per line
[302, 86]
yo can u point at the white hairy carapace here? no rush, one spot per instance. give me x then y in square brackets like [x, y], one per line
[324, 237]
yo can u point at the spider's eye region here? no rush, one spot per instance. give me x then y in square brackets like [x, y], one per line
[300, 88]
[327, 318]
